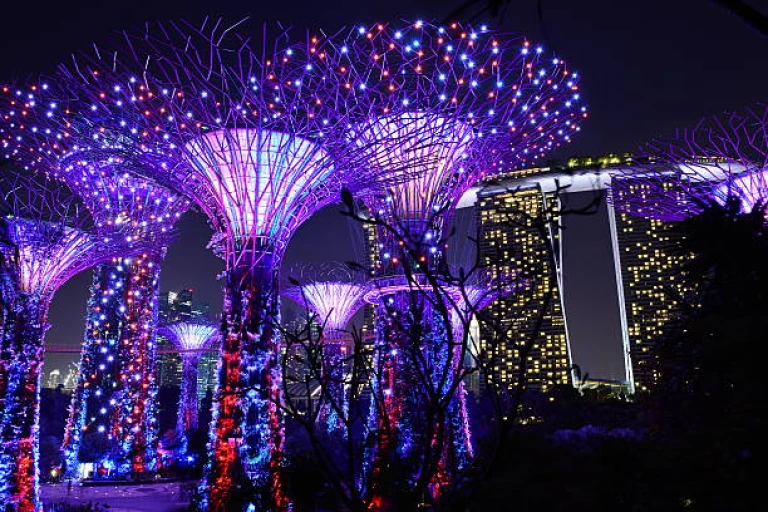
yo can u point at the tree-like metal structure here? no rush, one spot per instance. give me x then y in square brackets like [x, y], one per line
[452, 103]
[191, 339]
[116, 385]
[719, 158]
[333, 294]
[258, 144]
[48, 239]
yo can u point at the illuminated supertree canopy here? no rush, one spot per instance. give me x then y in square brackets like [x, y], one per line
[191, 340]
[332, 292]
[446, 105]
[680, 175]
[48, 240]
[44, 126]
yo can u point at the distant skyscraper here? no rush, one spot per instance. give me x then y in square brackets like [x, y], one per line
[652, 284]
[508, 236]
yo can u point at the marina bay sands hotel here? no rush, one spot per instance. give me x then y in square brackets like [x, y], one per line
[647, 269]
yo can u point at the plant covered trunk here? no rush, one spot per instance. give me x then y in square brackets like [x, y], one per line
[407, 417]
[98, 369]
[248, 434]
[334, 406]
[117, 379]
[20, 404]
[186, 421]
[138, 368]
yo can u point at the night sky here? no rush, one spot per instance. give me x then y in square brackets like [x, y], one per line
[647, 67]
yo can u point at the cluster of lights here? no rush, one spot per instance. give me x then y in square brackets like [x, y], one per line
[93, 409]
[137, 351]
[454, 105]
[437, 107]
[422, 111]
[115, 394]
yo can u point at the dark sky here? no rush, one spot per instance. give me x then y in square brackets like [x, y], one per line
[647, 67]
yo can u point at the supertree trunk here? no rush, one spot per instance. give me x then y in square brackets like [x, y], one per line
[187, 419]
[408, 429]
[457, 451]
[19, 447]
[99, 366]
[334, 362]
[8, 286]
[248, 434]
[138, 367]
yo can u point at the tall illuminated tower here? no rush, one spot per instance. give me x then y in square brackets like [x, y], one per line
[124, 304]
[259, 151]
[47, 241]
[512, 242]
[114, 396]
[177, 307]
[452, 103]
[719, 159]
[333, 303]
[190, 339]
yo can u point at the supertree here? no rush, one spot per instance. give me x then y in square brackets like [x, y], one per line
[680, 175]
[191, 339]
[48, 239]
[454, 104]
[334, 294]
[114, 396]
[258, 148]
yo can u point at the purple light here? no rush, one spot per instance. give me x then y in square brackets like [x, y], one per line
[452, 105]
[680, 175]
[262, 184]
[46, 241]
[191, 339]
[751, 188]
[334, 303]
[50, 254]
[430, 147]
